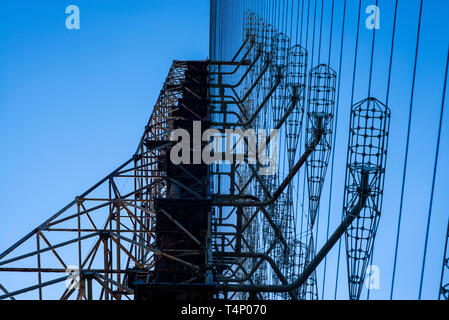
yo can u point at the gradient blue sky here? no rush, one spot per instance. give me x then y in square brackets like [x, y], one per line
[73, 105]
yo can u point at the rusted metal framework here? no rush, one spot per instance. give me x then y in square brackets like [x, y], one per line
[367, 153]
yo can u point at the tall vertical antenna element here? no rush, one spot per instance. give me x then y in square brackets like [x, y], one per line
[296, 85]
[320, 112]
[367, 151]
[322, 83]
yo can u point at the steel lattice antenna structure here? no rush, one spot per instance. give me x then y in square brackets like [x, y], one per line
[189, 216]
[322, 85]
[367, 151]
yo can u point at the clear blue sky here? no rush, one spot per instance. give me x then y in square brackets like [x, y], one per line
[73, 105]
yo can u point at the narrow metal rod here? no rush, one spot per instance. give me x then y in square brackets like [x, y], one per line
[45, 284]
[48, 249]
[180, 226]
[6, 291]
